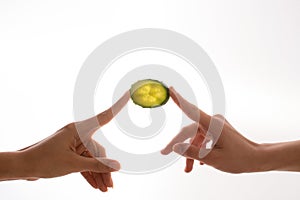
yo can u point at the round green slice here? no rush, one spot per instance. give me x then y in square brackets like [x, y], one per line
[149, 93]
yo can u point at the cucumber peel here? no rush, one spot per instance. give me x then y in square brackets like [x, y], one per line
[149, 93]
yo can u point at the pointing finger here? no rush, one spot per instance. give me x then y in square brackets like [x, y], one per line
[110, 113]
[89, 126]
[189, 109]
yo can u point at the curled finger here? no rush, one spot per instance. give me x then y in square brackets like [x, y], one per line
[185, 133]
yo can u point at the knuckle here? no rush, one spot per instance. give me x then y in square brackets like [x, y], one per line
[219, 116]
[70, 126]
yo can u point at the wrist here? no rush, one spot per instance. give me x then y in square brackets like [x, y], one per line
[257, 158]
[280, 156]
[12, 166]
[266, 157]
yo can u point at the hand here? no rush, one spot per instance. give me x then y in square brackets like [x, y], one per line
[230, 153]
[66, 152]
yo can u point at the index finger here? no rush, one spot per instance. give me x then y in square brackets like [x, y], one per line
[108, 115]
[89, 126]
[192, 111]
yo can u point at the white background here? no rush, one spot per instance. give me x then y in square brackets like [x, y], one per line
[254, 44]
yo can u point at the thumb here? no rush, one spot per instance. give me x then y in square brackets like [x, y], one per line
[100, 165]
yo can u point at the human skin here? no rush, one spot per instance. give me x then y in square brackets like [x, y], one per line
[65, 152]
[232, 152]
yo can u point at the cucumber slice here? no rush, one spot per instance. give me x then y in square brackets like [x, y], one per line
[149, 93]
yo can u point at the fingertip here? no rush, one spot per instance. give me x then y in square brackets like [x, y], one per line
[127, 94]
[32, 179]
[189, 165]
[181, 148]
[107, 180]
[111, 165]
[103, 189]
[175, 97]
[165, 151]
[187, 170]
[114, 165]
[172, 92]
[111, 183]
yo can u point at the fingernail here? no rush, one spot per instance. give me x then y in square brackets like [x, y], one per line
[181, 148]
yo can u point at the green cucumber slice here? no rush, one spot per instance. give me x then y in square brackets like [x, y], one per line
[149, 93]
